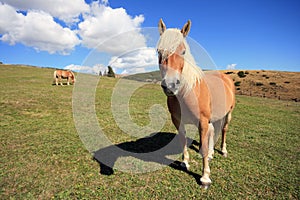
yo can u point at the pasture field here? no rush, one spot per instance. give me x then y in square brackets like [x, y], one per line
[42, 156]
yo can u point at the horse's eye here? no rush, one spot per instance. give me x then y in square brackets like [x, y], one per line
[183, 52]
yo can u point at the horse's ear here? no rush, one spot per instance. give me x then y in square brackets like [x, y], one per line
[186, 28]
[161, 26]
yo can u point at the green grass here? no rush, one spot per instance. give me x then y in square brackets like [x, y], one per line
[42, 156]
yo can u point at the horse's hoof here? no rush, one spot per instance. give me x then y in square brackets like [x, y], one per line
[205, 186]
[185, 166]
[225, 155]
[210, 159]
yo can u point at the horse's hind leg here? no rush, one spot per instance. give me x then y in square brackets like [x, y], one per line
[56, 81]
[224, 130]
[61, 82]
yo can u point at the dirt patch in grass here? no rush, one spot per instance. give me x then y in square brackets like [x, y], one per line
[268, 84]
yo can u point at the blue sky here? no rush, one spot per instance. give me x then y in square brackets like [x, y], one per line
[240, 34]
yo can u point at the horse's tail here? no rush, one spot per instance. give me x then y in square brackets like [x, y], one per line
[54, 76]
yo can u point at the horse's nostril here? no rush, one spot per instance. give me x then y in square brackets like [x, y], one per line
[171, 86]
[163, 84]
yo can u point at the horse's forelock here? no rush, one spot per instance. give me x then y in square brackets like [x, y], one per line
[169, 41]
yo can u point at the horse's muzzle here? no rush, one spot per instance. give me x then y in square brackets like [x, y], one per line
[170, 89]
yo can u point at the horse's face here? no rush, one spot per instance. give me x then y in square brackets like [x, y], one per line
[171, 67]
[171, 51]
[72, 76]
[73, 79]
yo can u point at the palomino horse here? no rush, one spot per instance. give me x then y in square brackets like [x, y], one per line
[63, 74]
[194, 97]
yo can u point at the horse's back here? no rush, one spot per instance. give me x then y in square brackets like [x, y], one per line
[58, 73]
[221, 90]
[63, 73]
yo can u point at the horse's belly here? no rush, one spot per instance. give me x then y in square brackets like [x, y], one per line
[219, 97]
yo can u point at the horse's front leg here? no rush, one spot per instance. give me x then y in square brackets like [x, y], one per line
[211, 134]
[204, 139]
[183, 142]
[68, 81]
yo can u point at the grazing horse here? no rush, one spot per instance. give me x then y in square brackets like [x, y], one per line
[63, 74]
[194, 97]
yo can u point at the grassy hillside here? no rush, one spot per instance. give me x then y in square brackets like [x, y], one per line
[42, 156]
[146, 77]
[260, 83]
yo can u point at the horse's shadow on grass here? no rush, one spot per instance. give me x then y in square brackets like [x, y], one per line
[54, 84]
[155, 148]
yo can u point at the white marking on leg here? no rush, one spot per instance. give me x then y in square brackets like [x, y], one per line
[211, 144]
[205, 180]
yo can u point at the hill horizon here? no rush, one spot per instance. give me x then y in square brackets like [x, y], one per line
[282, 85]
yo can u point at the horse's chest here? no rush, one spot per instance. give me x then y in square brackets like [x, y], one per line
[187, 112]
[190, 113]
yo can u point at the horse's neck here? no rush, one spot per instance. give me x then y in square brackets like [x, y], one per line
[191, 75]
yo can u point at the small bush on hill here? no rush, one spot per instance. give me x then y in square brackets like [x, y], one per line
[238, 83]
[241, 74]
[110, 72]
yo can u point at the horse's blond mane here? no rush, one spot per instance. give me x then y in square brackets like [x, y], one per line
[167, 45]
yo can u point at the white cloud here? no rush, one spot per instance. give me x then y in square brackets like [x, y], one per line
[67, 11]
[231, 66]
[37, 29]
[135, 61]
[86, 69]
[111, 30]
[8, 18]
